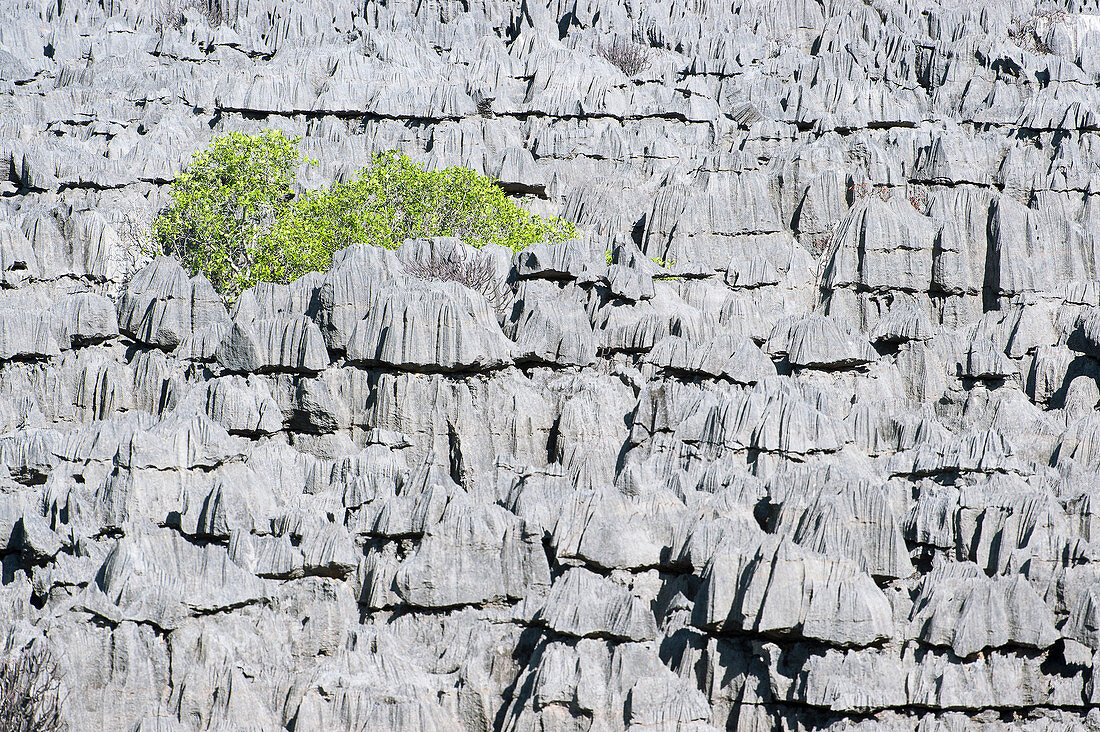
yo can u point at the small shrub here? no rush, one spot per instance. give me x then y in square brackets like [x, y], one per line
[1029, 32]
[171, 13]
[226, 210]
[819, 245]
[134, 231]
[478, 274]
[631, 58]
[30, 691]
[918, 197]
[235, 218]
[860, 191]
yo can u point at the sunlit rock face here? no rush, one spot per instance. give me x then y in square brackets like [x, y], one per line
[801, 433]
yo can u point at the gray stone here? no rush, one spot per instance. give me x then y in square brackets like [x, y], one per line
[798, 432]
[85, 319]
[161, 579]
[737, 359]
[960, 607]
[156, 307]
[242, 406]
[782, 589]
[472, 555]
[585, 605]
[442, 327]
[551, 327]
[816, 341]
[281, 343]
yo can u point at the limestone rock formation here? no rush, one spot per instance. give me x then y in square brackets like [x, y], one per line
[801, 432]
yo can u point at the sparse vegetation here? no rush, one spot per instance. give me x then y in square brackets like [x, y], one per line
[918, 197]
[1029, 32]
[778, 41]
[631, 58]
[172, 13]
[397, 199]
[860, 191]
[30, 691]
[819, 245]
[666, 263]
[235, 216]
[477, 273]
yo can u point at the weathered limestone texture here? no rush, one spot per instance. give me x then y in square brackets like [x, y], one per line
[801, 433]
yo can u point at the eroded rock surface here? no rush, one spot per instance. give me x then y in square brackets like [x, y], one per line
[801, 433]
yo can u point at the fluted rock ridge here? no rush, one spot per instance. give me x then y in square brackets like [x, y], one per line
[800, 433]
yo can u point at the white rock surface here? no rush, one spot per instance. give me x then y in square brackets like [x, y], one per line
[799, 433]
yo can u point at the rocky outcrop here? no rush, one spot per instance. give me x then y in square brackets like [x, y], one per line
[800, 433]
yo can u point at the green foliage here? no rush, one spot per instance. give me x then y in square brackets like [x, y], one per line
[397, 199]
[234, 216]
[227, 207]
[666, 263]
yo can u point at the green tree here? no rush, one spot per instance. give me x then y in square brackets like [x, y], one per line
[234, 216]
[397, 199]
[226, 207]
